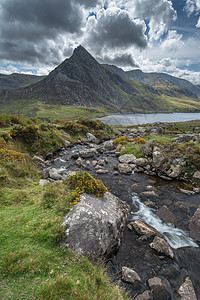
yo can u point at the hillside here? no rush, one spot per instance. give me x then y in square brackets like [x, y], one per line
[81, 81]
[15, 80]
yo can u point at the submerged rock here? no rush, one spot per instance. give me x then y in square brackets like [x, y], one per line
[94, 226]
[166, 215]
[130, 276]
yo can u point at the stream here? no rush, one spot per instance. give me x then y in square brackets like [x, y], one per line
[135, 252]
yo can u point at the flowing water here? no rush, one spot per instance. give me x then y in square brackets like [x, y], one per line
[177, 238]
[135, 252]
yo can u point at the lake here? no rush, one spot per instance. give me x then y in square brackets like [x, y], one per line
[135, 119]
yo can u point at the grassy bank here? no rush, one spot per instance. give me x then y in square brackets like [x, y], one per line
[33, 265]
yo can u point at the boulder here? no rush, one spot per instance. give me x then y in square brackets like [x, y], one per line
[94, 226]
[130, 276]
[174, 171]
[92, 139]
[125, 168]
[148, 194]
[166, 215]
[160, 245]
[158, 159]
[194, 226]
[142, 228]
[39, 162]
[88, 153]
[141, 162]
[186, 290]
[109, 145]
[53, 173]
[127, 159]
[147, 148]
[160, 288]
[146, 295]
[79, 161]
[184, 138]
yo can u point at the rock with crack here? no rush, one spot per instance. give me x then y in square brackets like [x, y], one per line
[186, 290]
[160, 288]
[161, 246]
[94, 226]
[142, 228]
[130, 276]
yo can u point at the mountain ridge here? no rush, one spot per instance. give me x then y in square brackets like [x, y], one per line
[81, 81]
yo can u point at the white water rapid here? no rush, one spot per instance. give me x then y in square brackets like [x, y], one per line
[176, 237]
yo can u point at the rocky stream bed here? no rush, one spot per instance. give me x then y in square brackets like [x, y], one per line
[157, 259]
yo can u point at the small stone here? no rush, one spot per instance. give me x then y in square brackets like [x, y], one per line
[43, 182]
[53, 173]
[92, 139]
[186, 290]
[67, 144]
[160, 245]
[146, 295]
[79, 161]
[94, 162]
[196, 176]
[102, 171]
[125, 168]
[148, 194]
[130, 276]
[142, 228]
[115, 173]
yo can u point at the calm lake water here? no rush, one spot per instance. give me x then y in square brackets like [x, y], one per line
[135, 119]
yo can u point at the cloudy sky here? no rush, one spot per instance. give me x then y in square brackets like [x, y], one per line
[153, 35]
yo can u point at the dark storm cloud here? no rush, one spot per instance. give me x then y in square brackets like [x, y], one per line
[27, 28]
[114, 28]
[119, 60]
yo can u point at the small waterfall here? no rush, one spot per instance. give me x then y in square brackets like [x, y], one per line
[176, 237]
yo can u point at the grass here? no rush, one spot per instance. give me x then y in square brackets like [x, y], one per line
[134, 149]
[34, 266]
[25, 108]
[157, 138]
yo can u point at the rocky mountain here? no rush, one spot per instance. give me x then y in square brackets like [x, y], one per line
[15, 80]
[82, 81]
[156, 79]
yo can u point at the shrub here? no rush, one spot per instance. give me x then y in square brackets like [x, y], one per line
[27, 134]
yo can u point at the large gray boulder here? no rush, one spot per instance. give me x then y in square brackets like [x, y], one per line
[94, 226]
[130, 276]
[88, 153]
[160, 245]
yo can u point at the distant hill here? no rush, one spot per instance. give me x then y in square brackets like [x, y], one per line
[81, 81]
[15, 80]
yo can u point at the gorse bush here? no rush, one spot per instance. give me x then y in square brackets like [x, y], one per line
[125, 139]
[84, 182]
[28, 134]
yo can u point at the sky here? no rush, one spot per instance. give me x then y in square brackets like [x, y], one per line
[151, 35]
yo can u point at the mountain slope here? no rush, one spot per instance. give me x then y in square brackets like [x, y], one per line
[16, 80]
[81, 81]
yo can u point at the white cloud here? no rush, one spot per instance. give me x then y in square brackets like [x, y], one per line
[192, 6]
[173, 42]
